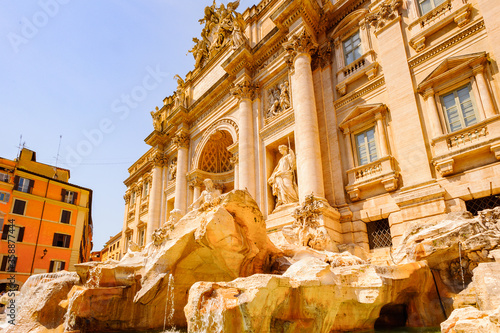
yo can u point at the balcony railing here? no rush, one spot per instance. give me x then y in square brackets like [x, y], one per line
[449, 148]
[364, 65]
[381, 171]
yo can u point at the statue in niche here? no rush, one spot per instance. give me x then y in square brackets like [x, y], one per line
[282, 179]
[209, 197]
[172, 168]
[279, 99]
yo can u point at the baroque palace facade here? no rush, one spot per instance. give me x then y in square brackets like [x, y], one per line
[387, 111]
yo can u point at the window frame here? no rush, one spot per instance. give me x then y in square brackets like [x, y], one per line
[4, 265]
[14, 206]
[23, 184]
[66, 240]
[141, 236]
[433, 6]
[63, 211]
[52, 268]
[443, 115]
[19, 232]
[6, 197]
[4, 177]
[68, 196]
[360, 46]
[355, 134]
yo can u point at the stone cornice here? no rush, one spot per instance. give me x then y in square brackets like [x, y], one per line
[290, 11]
[383, 14]
[375, 83]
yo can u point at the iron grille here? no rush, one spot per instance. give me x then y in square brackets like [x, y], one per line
[379, 234]
[476, 205]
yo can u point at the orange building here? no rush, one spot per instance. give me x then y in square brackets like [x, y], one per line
[45, 221]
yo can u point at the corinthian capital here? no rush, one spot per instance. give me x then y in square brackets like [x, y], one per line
[181, 140]
[244, 90]
[300, 43]
[158, 159]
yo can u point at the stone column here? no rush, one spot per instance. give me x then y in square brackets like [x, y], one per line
[123, 246]
[382, 139]
[235, 161]
[181, 140]
[432, 113]
[307, 143]
[246, 142]
[154, 205]
[484, 92]
[196, 184]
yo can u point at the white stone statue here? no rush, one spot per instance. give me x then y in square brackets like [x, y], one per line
[209, 197]
[172, 168]
[282, 179]
[284, 96]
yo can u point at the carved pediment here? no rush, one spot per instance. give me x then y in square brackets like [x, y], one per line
[361, 113]
[348, 23]
[450, 66]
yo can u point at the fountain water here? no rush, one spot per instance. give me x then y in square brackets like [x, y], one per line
[95, 274]
[169, 303]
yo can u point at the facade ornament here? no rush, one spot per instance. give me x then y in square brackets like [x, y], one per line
[209, 198]
[489, 220]
[301, 43]
[126, 197]
[306, 230]
[195, 182]
[180, 95]
[181, 140]
[158, 159]
[244, 90]
[223, 25]
[279, 99]
[234, 159]
[164, 232]
[283, 180]
[386, 12]
[156, 115]
[172, 169]
[325, 55]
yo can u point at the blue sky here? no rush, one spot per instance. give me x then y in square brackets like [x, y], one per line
[91, 71]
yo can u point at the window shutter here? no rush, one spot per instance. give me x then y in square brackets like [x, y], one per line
[51, 266]
[5, 231]
[30, 186]
[62, 265]
[4, 263]
[63, 194]
[16, 182]
[67, 240]
[12, 264]
[20, 235]
[75, 195]
[54, 240]
[7, 197]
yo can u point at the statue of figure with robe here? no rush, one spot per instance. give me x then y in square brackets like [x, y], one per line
[282, 179]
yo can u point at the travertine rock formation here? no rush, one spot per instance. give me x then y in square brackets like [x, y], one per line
[218, 243]
[313, 296]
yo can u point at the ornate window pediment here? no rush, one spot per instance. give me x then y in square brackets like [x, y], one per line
[362, 113]
[451, 68]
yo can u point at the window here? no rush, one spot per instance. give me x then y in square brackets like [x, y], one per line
[132, 199]
[476, 205]
[61, 240]
[23, 184]
[65, 216]
[427, 5]
[13, 232]
[146, 189]
[68, 196]
[366, 146]
[352, 48]
[4, 177]
[8, 264]
[459, 108]
[19, 207]
[56, 266]
[4, 196]
[141, 237]
[379, 234]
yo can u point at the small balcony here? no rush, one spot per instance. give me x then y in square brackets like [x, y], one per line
[465, 143]
[435, 20]
[364, 65]
[381, 171]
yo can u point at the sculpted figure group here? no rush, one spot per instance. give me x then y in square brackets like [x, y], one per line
[222, 25]
[279, 99]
